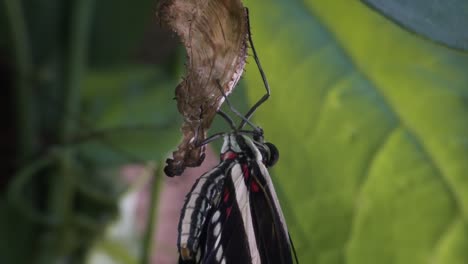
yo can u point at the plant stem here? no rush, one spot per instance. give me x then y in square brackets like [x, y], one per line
[77, 53]
[63, 186]
[23, 71]
[21, 179]
[147, 247]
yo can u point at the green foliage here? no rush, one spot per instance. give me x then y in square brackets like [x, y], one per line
[17, 234]
[118, 252]
[118, 30]
[77, 124]
[132, 114]
[371, 125]
[443, 21]
[370, 121]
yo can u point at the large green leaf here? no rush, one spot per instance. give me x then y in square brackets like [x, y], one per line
[441, 21]
[371, 123]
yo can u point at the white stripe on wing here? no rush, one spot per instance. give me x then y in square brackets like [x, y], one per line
[243, 201]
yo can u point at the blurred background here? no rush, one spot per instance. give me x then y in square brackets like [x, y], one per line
[369, 110]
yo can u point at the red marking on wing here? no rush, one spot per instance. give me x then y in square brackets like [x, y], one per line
[226, 195]
[245, 171]
[254, 187]
[228, 210]
[228, 155]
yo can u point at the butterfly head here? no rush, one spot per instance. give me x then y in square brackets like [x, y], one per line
[240, 145]
[269, 152]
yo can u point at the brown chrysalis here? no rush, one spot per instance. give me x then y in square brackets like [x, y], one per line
[215, 34]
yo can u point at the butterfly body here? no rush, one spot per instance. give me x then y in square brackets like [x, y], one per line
[232, 213]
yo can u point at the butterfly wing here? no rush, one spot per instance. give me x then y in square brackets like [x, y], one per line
[196, 213]
[268, 220]
[233, 237]
[248, 226]
[241, 220]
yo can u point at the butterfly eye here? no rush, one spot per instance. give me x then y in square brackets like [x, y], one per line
[273, 156]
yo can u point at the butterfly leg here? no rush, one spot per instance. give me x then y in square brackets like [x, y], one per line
[265, 82]
[211, 138]
[234, 110]
[227, 118]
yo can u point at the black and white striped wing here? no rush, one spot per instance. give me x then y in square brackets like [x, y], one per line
[197, 210]
[211, 227]
[248, 226]
[268, 219]
[232, 214]
[228, 238]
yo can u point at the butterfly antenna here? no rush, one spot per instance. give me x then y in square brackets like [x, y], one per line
[265, 82]
[293, 249]
[244, 119]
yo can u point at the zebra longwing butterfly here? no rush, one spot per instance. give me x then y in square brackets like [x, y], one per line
[232, 213]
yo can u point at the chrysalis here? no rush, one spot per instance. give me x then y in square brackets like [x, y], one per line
[214, 34]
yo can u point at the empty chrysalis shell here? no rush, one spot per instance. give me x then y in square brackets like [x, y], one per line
[214, 33]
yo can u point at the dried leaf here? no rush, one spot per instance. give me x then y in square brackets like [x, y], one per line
[214, 33]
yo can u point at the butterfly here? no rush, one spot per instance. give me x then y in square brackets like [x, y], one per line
[232, 213]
